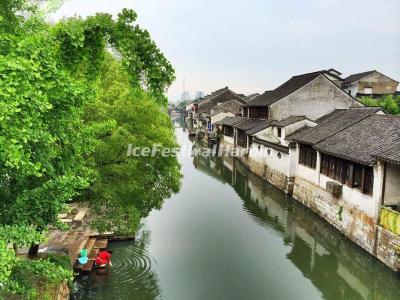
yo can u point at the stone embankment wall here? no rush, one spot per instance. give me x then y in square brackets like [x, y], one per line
[353, 223]
[388, 248]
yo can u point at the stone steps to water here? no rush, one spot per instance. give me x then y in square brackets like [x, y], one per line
[101, 244]
[93, 247]
[88, 266]
[93, 254]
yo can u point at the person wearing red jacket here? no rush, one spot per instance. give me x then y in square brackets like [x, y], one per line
[103, 258]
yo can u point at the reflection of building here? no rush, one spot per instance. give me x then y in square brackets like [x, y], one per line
[328, 260]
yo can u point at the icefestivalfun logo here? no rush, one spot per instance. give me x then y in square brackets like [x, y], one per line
[188, 151]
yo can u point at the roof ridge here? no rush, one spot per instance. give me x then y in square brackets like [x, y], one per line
[309, 73]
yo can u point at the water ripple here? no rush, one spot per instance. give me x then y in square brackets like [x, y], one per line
[131, 274]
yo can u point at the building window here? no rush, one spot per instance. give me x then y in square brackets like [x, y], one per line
[269, 151]
[349, 173]
[368, 90]
[334, 167]
[279, 132]
[259, 147]
[228, 131]
[257, 112]
[279, 155]
[242, 139]
[368, 185]
[307, 156]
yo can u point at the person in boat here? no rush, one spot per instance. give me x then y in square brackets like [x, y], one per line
[103, 258]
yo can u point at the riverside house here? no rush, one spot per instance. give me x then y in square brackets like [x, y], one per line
[348, 169]
[277, 114]
[312, 95]
[313, 140]
[230, 108]
[371, 83]
[210, 102]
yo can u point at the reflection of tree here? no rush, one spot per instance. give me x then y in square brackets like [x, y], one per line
[333, 264]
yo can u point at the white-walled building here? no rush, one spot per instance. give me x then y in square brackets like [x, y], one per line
[370, 83]
[312, 95]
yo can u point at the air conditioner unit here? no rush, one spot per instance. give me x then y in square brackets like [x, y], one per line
[334, 188]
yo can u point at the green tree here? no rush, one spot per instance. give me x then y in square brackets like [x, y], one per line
[390, 103]
[67, 111]
[128, 188]
[43, 143]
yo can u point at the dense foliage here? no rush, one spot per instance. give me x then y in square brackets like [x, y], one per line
[390, 103]
[68, 110]
[128, 188]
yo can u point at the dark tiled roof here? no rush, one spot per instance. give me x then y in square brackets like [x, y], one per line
[289, 120]
[285, 89]
[391, 154]
[231, 105]
[334, 122]
[303, 130]
[230, 121]
[355, 77]
[251, 97]
[249, 124]
[373, 136]
[219, 92]
[261, 126]
[213, 94]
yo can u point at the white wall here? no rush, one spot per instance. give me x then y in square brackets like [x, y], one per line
[352, 196]
[261, 156]
[366, 203]
[268, 134]
[228, 140]
[306, 173]
[353, 89]
[392, 185]
[221, 115]
[315, 99]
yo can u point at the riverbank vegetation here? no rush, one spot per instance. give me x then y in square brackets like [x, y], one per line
[74, 94]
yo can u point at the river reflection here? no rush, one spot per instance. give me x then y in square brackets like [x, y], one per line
[229, 235]
[130, 277]
[335, 266]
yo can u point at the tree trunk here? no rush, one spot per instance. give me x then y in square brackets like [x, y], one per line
[33, 250]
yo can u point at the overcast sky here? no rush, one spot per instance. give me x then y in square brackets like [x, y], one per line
[255, 45]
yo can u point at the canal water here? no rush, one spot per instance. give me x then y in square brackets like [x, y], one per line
[229, 235]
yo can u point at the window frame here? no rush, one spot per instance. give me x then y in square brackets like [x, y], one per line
[307, 156]
[345, 172]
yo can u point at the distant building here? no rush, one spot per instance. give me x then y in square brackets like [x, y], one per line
[185, 96]
[208, 103]
[371, 83]
[199, 95]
